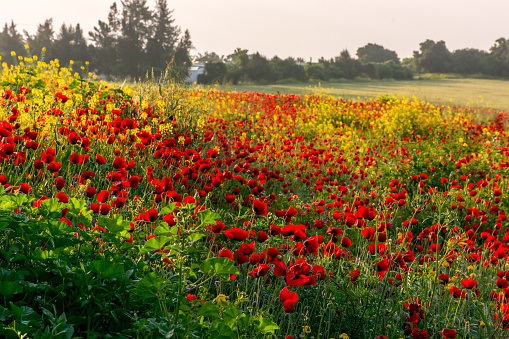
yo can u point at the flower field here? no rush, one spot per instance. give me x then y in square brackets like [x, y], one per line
[157, 211]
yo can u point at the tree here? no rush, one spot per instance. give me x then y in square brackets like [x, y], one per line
[434, 57]
[349, 66]
[10, 41]
[469, 61]
[136, 28]
[499, 57]
[209, 57]
[105, 42]
[376, 53]
[161, 46]
[183, 52]
[43, 38]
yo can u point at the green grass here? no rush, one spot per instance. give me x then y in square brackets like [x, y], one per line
[442, 90]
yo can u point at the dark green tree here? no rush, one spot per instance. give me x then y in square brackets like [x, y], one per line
[11, 41]
[469, 61]
[348, 65]
[43, 38]
[183, 53]
[499, 58]
[376, 53]
[136, 29]
[434, 57]
[162, 45]
[103, 49]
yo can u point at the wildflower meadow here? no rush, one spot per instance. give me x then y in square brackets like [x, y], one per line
[155, 210]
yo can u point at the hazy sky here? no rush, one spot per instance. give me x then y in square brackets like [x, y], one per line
[298, 28]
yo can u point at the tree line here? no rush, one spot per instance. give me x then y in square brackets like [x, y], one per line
[132, 41]
[372, 61]
[135, 40]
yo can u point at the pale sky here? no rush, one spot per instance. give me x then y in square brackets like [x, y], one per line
[297, 28]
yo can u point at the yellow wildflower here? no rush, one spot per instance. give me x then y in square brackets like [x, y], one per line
[344, 336]
[221, 298]
[306, 329]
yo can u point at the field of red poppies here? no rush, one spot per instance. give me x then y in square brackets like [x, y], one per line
[157, 211]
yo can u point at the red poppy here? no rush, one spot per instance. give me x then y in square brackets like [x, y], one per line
[119, 163]
[448, 333]
[25, 188]
[151, 214]
[103, 196]
[419, 334]
[469, 283]
[354, 275]
[59, 183]
[62, 197]
[262, 236]
[259, 207]
[236, 234]
[54, 166]
[288, 298]
[100, 159]
[226, 253]
[104, 209]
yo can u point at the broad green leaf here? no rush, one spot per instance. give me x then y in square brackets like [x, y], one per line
[155, 244]
[4, 314]
[162, 229]
[106, 269]
[10, 288]
[115, 225]
[149, 286]
[221, 266]
[266, 325]
[208, 217]
[167, 209]
[56, 227]
[208, 309]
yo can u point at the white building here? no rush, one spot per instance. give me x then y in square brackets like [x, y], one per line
[194, 71]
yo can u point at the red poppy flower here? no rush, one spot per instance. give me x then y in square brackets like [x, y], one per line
[262, 236]
[59, 183]
[448, 333]
[104, 209]
[119, 163]
[151, 214]
[54, 166]
[226, 253]
[288, 298]
[25, 188]
[236, 234]
[260, 208]
[103, 196]
[62, 197]
[469, 283]
[90, 191]
[354, 275]
[419, 334]
[100, 159]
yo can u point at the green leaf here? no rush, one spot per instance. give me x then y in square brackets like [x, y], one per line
[10, 288]
[106, 269]
[115, 225]
[56, 227]
[266, 325]
[162, 229]
[209, 310]
[208, 217]
[4, 314]
[149, 286]
[223, 267]
[155, 244]
[75, 83]
[168, 209]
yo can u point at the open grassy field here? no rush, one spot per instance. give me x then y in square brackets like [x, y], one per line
[461, 91]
